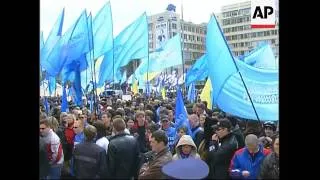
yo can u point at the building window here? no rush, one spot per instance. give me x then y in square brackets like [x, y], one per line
[242, 44]
[185, 28]
[189, 37]
[198, 38]
[273, 41]
[174, 33]
[197, 30]
[189, 29]
[185, 36]
[253, 35]
[174, 26]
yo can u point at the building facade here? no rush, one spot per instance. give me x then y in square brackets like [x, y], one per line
[235, 21]
[164, 26]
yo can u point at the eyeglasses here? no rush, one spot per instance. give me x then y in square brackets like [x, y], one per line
[81, 117]
[42, 128]
[219, 129]
[75, 127]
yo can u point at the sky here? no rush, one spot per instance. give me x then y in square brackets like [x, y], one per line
[126, 11]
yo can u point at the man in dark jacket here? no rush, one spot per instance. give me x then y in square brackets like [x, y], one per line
[197, 132]
[43, 160]
[89, 158]
[123, 153]
[223, 147]
[236, 131]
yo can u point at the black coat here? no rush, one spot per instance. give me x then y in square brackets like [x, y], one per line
[198, 137]
[270, 167]
[123, 156]
[240, 138]
[89, 161]
[220, 157]
[43, 159]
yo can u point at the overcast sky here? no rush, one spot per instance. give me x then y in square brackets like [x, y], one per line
[126, 11]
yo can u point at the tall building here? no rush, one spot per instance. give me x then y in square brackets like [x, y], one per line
[235, 21]
[164, 26]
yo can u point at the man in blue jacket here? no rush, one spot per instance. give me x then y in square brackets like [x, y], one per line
[170, 131]
[246, 161]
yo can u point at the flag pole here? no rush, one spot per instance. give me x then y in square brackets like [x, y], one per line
[234, 62]
[182, 48]
[147, 88]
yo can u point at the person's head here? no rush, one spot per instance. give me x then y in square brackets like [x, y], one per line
[43, 116]
[106, 118]
[205, 103]
[222, 128]
[70, 119]
[170, 115]
[83, 118]
[200, 108]
[186, 144]
[120, 111]
[194, 108]
[159, 141]
[53, 123]
[129, 122]
[149, 115]
[276, 144]
[63, 119]
[140, 116]
[150, 129]
[78, 127]
[101, 129]
[194, 120]
[182, 131]
[90, 133]
[164, 121]
[44, 127]
[141, 106]
[269, 128]
[118, 125]
[252, 143]
[202, 120]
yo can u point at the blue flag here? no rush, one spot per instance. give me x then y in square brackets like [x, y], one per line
[77, 86]
[261, 57]
[102, 31]
[131, 43]
[64, 104]
[199, 71]
[192, 93]
[46, 105]
[71, 46]
[181, 115]
[53, 38]
[51, 84]
[169, 55]
[124, 77]
[228, 90]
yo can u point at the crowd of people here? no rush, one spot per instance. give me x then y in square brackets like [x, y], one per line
[137, 139]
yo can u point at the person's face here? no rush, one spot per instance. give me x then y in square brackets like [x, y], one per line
[186, 149]
[221, 132]
[141, 106]
[199, 111]
[130, 124]
[193, 121]
[253, 148]
[76, 127]
[141, 118]
[106, 120]
[276, 146]
[69, 119]
[181, 133]
[44, 130]
[268, 131]
[165, 124]
[156, 146]
[148, 118]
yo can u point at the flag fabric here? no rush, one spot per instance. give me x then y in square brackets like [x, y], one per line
[229, 93]
[124, 77]
[102, 31]
[64, 104]
[71, 46]
[126, 48]
[135, 88]
[192, 93]
[51, 84]
[169, 55]
[181, 116]
[206, 93]
[199, 71]
[261, 57]
[46, 105]
[52, 38]
[163, 93]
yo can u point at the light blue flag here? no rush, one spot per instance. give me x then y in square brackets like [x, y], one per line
[169, 55]
[192, 93]
[46, 105]
[53, 38]
[64, 104]
[199, 71]
[181, 115]
[131, 43]
[77, 86]
[102, 31]
[261, 57]
[228, 90]
[71, 46]
[51, 84]
[124, 77]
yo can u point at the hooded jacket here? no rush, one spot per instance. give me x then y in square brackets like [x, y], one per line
[186, 140]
